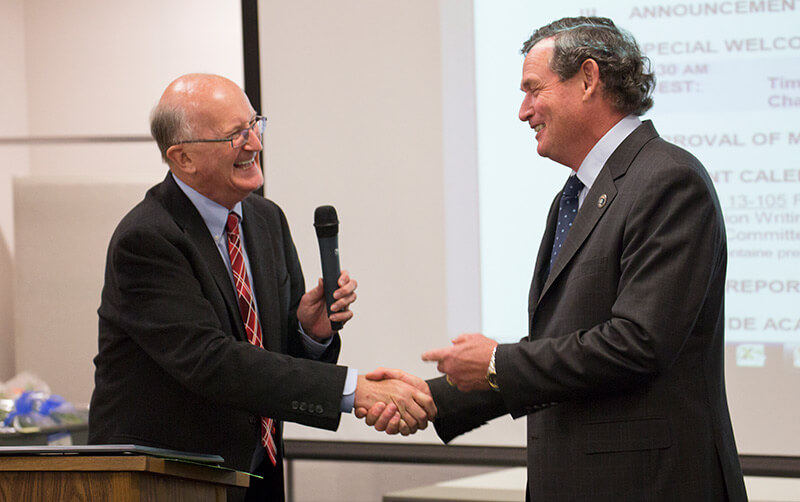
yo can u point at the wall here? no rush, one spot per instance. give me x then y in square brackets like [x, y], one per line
[371, 109]
[75, 154]
[13, 161]
[353, 93]
[79, 81]
[357, 100]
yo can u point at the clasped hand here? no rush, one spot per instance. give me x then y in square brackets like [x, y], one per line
[464, 363]
[394, 401]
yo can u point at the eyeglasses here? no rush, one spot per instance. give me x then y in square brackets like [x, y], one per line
[240, 138]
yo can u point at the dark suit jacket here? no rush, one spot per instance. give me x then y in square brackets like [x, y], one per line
[174, 368]
[622, 374]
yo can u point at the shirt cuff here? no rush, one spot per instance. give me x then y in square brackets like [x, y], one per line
[349, 391]
[314, 348]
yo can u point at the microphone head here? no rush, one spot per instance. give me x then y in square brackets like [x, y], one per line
[326, 222]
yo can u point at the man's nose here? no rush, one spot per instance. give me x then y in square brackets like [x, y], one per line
[254, 141]
[526, 109]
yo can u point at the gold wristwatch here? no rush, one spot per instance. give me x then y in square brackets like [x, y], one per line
[491, 373]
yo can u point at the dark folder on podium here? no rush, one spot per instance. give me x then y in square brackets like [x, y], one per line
[112, 449]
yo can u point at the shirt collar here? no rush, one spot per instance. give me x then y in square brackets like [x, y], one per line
[602, 150]
[214, 215]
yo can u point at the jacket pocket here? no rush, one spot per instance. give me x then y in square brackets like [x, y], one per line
[627, 435]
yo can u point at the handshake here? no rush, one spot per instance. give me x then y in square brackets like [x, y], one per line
[394, 401]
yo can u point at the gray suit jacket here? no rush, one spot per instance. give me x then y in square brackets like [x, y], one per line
[174, 368]
[622, 373]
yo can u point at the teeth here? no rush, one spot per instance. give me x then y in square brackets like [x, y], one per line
[243, 164]
[538, 127]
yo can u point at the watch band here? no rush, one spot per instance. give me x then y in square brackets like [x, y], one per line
[491, 372]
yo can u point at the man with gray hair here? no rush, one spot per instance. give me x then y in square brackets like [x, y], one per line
[208, 340]
[621, 375]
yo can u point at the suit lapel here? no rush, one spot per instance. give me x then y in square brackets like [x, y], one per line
[257, 239]
[186, 216]
[597, 201]
[543, 257]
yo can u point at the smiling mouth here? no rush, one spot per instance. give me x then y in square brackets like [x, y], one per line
[244, 164]
[538, 127]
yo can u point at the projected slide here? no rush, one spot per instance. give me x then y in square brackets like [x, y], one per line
[728, 90]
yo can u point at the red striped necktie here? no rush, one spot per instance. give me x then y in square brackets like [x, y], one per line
[247, 308]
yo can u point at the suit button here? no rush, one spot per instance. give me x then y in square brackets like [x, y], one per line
[295, 405]
[320, 409]
[252, 419]
[303, 406]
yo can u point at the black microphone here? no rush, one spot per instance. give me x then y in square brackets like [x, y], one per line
[326, 224]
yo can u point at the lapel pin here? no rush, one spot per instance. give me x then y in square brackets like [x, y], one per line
[602, 201]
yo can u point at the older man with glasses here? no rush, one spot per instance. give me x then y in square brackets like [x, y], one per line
[207, 338]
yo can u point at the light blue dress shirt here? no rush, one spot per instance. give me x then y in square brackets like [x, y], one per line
[215, 217]
[602, 150]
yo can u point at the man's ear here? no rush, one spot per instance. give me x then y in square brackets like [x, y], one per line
[180, 159]
[590, 76]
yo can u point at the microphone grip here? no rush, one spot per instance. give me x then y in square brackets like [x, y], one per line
[329, 255]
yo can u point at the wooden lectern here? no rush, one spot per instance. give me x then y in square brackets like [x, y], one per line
[119, 478]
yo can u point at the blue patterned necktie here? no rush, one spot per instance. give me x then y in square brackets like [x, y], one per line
[567, 209]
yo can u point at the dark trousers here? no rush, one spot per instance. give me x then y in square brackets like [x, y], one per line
[269, 489]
